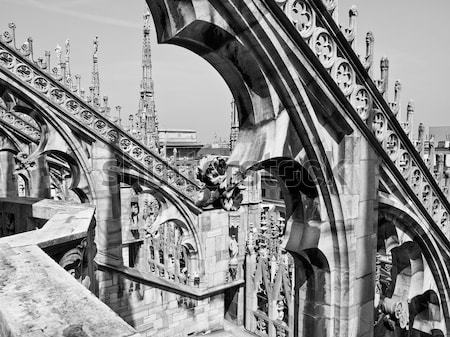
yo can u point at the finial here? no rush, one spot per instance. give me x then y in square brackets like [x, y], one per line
[105, 105]
[411, 107]
[384, 63]
[368, 60]
[67, 62]
[410, 117]
[67, 45]
[352, 14]
[119, 118]
[395, 106]
[384, 67]
[12, 27]
[91, 95]
[370, 38]
[397, 86]
[421, 132]
[30, 47]
[147, 19]
[47, 59]
[78, 83]
[58, 51]
[350, 32]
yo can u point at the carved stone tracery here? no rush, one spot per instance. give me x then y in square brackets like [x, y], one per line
[273, 279]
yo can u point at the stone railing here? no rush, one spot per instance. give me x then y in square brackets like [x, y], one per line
[332, 46]
[51, 87]
[61, 229]
[41, 298]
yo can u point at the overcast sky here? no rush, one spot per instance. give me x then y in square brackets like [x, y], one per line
[189, 94]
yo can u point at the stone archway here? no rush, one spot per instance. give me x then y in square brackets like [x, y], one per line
[271, 99]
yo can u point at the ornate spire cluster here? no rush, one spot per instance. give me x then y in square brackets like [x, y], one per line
[61, 71]
[144, 124]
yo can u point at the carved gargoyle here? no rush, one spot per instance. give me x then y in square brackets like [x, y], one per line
[76, 263]
[221, 189]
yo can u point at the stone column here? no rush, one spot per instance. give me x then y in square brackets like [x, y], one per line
[39, 178]
[360, 175]
[366, 238]
[8, 183]
[108, 234]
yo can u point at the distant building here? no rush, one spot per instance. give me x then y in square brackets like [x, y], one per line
[215, 150]
[183, 143]
[439, 133]
[436, 145]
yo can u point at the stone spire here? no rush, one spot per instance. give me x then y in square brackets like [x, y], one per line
[147, 119]
[384, 67]
[410, 117]
[95, 87]
[67, 61]
[234, 125]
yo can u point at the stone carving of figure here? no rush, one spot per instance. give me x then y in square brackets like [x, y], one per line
[146, 19]
[280, 309]
[234, 251]
[150, 213]
[74, 261]
[134, 216]
[58, 51]
[220, 191]
[67, 44]
[263, 252]
[21, 187]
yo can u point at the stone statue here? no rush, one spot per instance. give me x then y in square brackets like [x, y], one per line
[58, 51]
[149, 215]
[134, 216]
[220, 190]
[234, 251]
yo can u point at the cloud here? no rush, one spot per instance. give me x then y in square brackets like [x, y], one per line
[64, 8]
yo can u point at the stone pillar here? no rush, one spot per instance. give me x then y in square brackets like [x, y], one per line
[39, 178]
[366, 238]
[8, 183]
[359, 196]
[108, 234]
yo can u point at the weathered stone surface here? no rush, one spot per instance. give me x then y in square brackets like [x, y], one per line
[38, 295]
